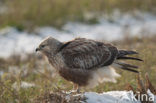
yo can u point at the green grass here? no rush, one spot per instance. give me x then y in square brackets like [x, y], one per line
[40, 73]
[29, 14]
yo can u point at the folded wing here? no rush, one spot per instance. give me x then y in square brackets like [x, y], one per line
[88, 54]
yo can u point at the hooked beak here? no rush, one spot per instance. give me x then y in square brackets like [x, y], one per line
[37, 49]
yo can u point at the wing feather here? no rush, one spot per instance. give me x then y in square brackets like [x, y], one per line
[88, 54]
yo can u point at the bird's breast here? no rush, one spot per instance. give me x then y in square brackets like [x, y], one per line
[57, 61]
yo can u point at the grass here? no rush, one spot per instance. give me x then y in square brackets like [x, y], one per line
[35, 69]
[25, 14]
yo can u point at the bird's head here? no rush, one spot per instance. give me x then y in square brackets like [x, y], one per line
[48, 46]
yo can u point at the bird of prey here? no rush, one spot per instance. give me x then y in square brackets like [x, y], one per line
[86, 62]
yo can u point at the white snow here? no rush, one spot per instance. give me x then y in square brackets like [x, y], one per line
[152, 96]
[113, 97]
[13, 41]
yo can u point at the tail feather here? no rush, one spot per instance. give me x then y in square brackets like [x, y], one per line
[122, 55]
[125, 52]
[132, 58]
[127, 67]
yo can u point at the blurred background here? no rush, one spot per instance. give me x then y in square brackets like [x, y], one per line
[128, 24]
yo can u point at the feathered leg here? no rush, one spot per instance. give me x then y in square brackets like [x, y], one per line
[76, 88]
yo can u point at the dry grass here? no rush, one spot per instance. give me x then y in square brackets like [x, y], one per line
[142, 88]
[35, 69]
[61, 97]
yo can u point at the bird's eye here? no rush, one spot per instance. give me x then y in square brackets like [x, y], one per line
[42, 46]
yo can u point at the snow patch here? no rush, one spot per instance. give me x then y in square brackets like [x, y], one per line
[115, 97]
[111, 97]
[13, 41]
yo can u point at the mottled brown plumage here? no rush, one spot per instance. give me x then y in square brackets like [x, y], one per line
[83, 61]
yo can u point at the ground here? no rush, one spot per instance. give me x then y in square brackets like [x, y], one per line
[25, 79]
